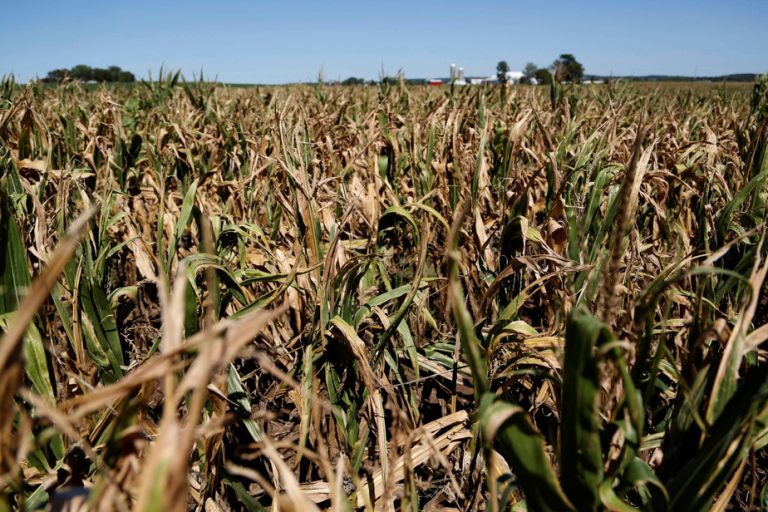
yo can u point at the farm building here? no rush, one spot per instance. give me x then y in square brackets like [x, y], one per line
[513, 77]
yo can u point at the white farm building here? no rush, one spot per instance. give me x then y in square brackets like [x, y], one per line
[513, 77]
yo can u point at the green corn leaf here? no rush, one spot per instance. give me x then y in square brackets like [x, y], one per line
[14, 273]
[102, 341]
[723, 221]
[239, 396]
[243, 496]
[378, 300]
[184, 217]
[581, 457]
[728, 442]
[393, 213]
[508, 428]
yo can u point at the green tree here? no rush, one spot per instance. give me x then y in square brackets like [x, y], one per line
[529, 72]
[502, 68]
[56, 75]
[114, 73]
[353, 81]
[543, 76]
[567, 69]
[100, 75]
[81, 72]
[86, 73]
[125, 76]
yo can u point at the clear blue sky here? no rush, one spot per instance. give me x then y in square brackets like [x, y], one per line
[272, 42]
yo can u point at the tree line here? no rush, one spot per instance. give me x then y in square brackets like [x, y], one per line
[87, 74]
[564, 69]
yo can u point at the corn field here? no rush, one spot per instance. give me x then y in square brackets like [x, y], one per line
[383, 298]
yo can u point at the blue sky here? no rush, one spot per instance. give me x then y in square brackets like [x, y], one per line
[286, 41]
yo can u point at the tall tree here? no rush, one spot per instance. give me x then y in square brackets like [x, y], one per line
[502, 68]
[567, 69]
[543, 76]
[529, 72]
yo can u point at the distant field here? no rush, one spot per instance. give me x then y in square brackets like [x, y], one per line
[696, 86]
[384, 297]
[683, 85]
[660, 84]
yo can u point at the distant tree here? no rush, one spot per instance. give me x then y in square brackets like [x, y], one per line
[56, 75]
[567, 68]
[87, 73]
[502, 68]
[353, 81]
[543, 76]
[114, 73]
[81, 72]
[100, 75]
[529, 72]
[125, 76]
